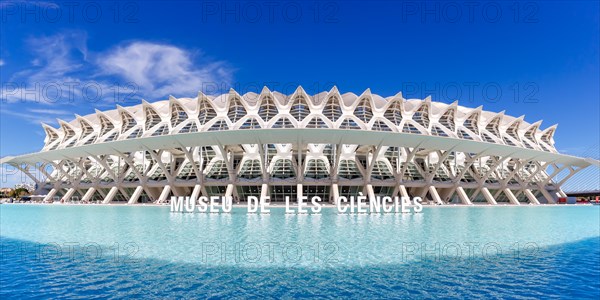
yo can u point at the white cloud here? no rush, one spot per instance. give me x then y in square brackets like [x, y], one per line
[156, 71]
[2, 62]
[57, 60]
[162, 69]
[37, 116]
[57, 56]
[50, 111]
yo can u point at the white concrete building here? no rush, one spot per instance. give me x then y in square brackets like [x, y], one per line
[328, 144]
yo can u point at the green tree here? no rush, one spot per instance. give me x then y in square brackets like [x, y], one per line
[16, 193]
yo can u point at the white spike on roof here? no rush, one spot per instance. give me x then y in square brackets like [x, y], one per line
[348, 101]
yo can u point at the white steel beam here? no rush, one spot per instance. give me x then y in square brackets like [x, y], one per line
[434, 194]
[488, 196]
[264, 191]
[403, 192]
[531, 197]
[88, 195]
[229, 190]
[164, 194]
[68, 195]
[463, 196]
[299, 191]
[49, 196]
[136, 195]
[511, 197]
[111, 194]
[196, 192]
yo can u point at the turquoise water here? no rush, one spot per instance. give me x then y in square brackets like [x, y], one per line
[117, 251]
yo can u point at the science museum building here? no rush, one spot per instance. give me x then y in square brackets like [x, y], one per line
[328, 145]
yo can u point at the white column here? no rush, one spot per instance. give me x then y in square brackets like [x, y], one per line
[547, 195]
[299, 191]
[403, 192]
[164, 194]
[531, 197]
[111, 194]
[561, 193]
[264, 191]
[511, 196]
[88, 195]
[370, 192]
[49, 196]
[488, 196]
[196, 192]
[335, 191]
[67, 196]
[435, 195]
[136, 195]
[229, 190]
[463, 196]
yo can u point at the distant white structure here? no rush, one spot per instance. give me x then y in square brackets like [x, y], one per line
[329, 144]
[27, 186]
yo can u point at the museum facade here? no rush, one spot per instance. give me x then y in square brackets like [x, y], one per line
[270, 144]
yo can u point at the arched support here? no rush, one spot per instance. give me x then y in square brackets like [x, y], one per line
[547, 195]
[488, 196]
[196, 192]
[264, 191]
[68, 195]
[229, 190]
[164, 194]
[464, 198]
[403, 191]
[531, 197]
[434, 194]
[136, 195]
[335, 190]
[299, 191]
[88, 194]
[111, 195]
[49, 196]
[511, 197]
[370, 192]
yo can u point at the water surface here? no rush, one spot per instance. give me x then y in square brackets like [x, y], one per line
[118, 251]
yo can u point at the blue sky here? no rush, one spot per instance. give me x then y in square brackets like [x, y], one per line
[538, 59]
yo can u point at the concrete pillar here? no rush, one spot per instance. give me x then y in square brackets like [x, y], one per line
[67, 196]
[434, 194]
[511, 196]
[111, 194]
[557, 194]
[419, 192]
[370, 192]
[196, 192]
[547, 195]
[178, 191]
[136, 195]
[463, 196]
[229, 190]
[561, 193]
[299, 191]
[488, 196]
[264, 191]
[164, 194]
[335, 191]
[49, 196]
[152, 193]
[88, 195]
[403, 191]
[531, 197]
